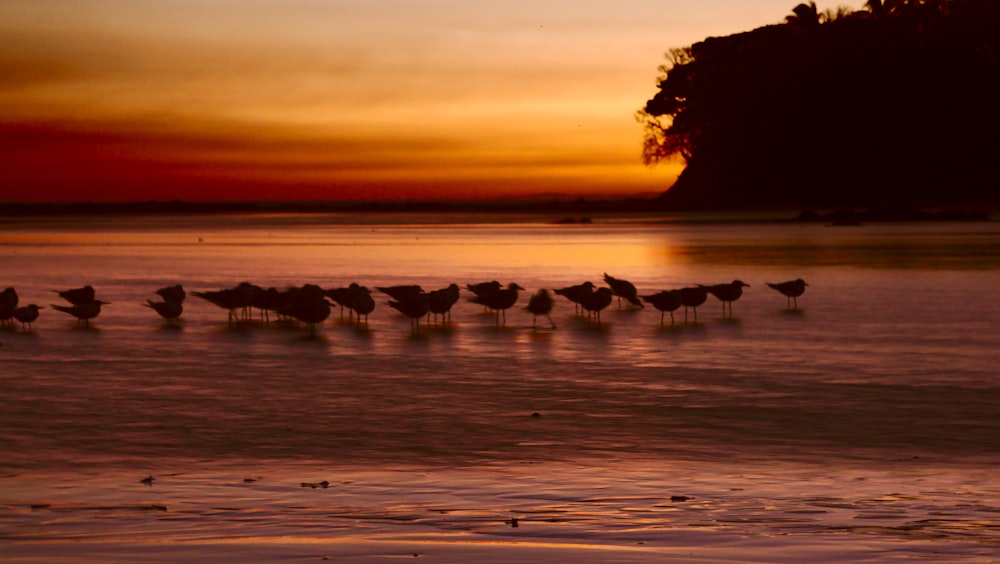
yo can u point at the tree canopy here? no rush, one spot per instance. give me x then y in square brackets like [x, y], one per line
[894, 105]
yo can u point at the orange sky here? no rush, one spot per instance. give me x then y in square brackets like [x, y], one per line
[337, 99]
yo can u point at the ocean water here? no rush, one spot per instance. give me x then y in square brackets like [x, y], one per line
[862, 426]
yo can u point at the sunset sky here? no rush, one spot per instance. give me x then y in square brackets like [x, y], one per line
[338, 99]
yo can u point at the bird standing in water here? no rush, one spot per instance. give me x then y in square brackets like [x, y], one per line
[83, 312]
[666, 301]
[500, 300]
[8, 303]
[728, 293]
[414, 307]
[27, 315]
[78, 296]
[595, 301]
[168, 310]
[440, 301]
[692, 297]
[791, 290]
[575, 293]
[623, 289]
[541, 304]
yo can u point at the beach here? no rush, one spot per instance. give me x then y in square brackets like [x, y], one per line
[861, 426]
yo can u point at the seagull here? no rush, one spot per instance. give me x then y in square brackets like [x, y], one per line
[167, 309]
[359, 300]
[666, 301]
[401, 293]
[83, 312]
[27, 315]
[596, 301]
[693, 297]
[541, 304]
[791, 290]
[415, 307]
[267, 301]
[500, 301]
[574, 293]
[623, 289]
[174, 294]
[310, 312]
[441, 301]
[239, 297]
[78, 296]
[483, 289]
[728, 293]
[8, 303]
[340, 296]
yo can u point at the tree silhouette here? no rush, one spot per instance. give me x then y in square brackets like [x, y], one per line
[891, 106]
[806, 15]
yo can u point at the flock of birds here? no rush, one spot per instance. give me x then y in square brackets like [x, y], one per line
[311, 304]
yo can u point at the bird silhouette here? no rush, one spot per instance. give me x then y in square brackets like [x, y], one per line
[728, 293]
[401, 293]
[238, 298]
[8, 303]
[692, 297]
[499, 301]
[596, 301]
[575, 293]
[309, 311]
[414, 307]
[173, 293]
[541, 304]
[359, 301]
[483, 289]
[442, 300]
[623, 289]
[340, 296]
[267, 301]
[27, 315]
[83, 312]
[167, 309]
[665, 302]
[78, 296]
[791, 290]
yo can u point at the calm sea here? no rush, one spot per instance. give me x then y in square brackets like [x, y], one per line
[865, 425]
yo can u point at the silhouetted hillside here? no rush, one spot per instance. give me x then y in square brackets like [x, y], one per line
[897, 105]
